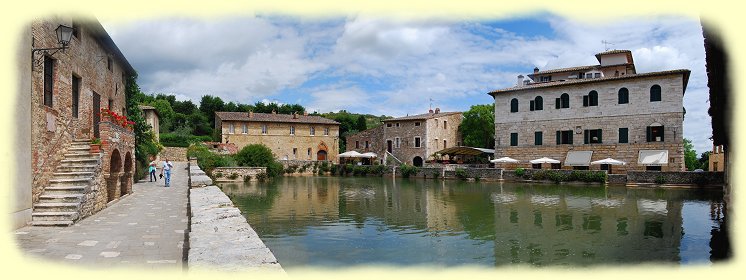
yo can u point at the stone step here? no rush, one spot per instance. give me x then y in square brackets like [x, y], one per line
[85, 154]
[74, 175]
[82, 141]
[50, 190]
[71, 197]
[54, 216]
[56, 207]
[79, 181]
[51, 223]
[79, 161]
[76, 168]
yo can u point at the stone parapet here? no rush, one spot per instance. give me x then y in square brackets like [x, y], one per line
[233, 174]
[688, 178]
[174, 153]
[221, 239]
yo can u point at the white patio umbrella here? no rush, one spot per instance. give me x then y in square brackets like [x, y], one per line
[350, 154]
[369, 155]
[544, 160]
[609, 161]
[504, 160]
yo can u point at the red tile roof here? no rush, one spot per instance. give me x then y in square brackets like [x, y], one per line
[423, 116]
[282, 118]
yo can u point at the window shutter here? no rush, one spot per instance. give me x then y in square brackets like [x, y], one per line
[663, 133]
[572, 135]
[586, 136]
[556, 103]
[649, 134]
[600, 136]
[585, 100]
[559, 137]
[531, 105]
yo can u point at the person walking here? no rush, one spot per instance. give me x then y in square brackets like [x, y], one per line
[167, 169]
[151, 170]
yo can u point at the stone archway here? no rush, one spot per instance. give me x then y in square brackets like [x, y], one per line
[322, 151]
[112, 179]
[125, 181]
[417, 161]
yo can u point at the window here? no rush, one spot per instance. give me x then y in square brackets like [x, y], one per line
[591, 99]
[445, 143]
[292, 130]
[623, 135]
[564, 137]
[111, 103]
[48, 80]
[436, 143]
[309, 152]
[652, 168]
[514, 105]
[313, 131]
[397, 124]
[326, 131]
[655, 133]
[514, 139]
[76, 96]
[588, 75]
[623, 96]
[655, 93]
[388, 125]
[546, 78]
[537, 104]
[230, 128]
[295, 152]
[397, 142]
[109, 64]
[245, 129]
[592, 136]
[417, 142]
[445, 125]
[562, 102]
[367, 145]
[416, 123]
[597, 75]
[357, 144]
[538, 135]
[264, 128]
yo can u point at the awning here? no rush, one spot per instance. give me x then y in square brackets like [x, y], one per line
[369, 155]
[504, 160]
[578, 158]
[462, 150]
[609, 161]
[653, 157]
[544, 160]
[350, 154]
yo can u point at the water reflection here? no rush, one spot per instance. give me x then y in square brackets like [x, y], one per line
[347, 221]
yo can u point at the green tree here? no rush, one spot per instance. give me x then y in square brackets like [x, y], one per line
[145, 144]
[165, 115]
[361, 123]
[704, 161]
[690, 155]
[209, 105]
[478, 126]
[258, 155]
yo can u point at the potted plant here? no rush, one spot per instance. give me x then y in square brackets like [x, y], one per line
[95, 145]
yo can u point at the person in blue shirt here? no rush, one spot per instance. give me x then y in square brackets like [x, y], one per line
[151, 170]
[167, 170]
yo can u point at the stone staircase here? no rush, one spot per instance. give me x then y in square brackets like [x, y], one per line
[60, 202]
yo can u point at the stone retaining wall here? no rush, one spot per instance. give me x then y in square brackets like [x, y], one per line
[694, 178]
[223, 174]
[174, 153]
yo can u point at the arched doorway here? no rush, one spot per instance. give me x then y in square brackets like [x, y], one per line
[417, 161]
[322, 154]
[126, 180]
[115, 166]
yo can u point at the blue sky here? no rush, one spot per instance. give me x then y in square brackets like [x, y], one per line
[383, 66]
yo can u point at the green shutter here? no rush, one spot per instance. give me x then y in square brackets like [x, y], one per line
[623, 135]
[538, 138]
[663, 133]
[559, 137]
[585, 100]
[586, 136]
[600, 136]
[572, 135]
[556, 103]
[649, 134]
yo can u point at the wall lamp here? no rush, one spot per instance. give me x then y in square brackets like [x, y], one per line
[64, 35]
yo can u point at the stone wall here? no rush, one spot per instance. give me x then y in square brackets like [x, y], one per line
[693, 178]
[374, 139]
[430, 130]
[223, 174]
[174, 154]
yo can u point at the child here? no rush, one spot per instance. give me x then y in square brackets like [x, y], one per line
[151, 170]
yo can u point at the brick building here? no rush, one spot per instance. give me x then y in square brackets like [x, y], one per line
[588, 113]
[289, 136]
[61, 94]
[414, 139]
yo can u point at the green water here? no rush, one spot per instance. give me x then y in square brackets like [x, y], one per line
[335, 222]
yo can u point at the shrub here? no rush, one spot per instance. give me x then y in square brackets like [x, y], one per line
[302, 169]
[436, 174]
[377, 170]
[218, 174]
[660, 179]
[461, 173]
[519, 172]
[258, 155]
[407, 170]
[347, 169]
[262, 176]
[360, 170]
[291, 169]
[181, 140]
[207, 160]
[333, 170]
[246, 178]
[233, 176]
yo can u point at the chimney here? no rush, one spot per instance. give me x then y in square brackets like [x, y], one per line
[437, 110]
[251, 114]
[519, 82]
[536, 70]
[430, 111]
[295, 115]
[305, 113]
[273, 112]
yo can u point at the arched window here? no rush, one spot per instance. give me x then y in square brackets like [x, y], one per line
[565, 100]
[514, 105]
[623, 96]
[655, 93]
[538, 103]
[593, 98]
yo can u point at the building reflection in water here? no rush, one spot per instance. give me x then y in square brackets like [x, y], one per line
[527, 224]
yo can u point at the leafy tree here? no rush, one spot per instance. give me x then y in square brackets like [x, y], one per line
[478, 126]
[184, 107]
[690, 155]
[209, 105]
[258, 155]
[165, 113]
[361, 123]
[145, 144]
[704, 161]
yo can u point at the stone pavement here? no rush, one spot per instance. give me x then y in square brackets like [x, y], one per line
[145, 229]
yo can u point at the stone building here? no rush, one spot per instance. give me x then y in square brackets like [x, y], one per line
[152, 118]
[290, 136]
[414, 139]
[60, 101]
[369, 140]
[717, 159]
[588, 113]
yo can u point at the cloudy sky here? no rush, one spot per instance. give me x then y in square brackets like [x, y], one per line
[395, 67]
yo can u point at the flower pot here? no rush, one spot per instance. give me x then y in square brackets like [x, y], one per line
[95, 148]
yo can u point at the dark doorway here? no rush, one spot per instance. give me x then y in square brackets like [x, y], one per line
[536, 165]
[321, 155]
[652, 168]
[389, 145]
[96, 114]
[417, 161]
